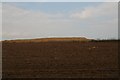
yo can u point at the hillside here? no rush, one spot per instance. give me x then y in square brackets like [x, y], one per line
[50, 39]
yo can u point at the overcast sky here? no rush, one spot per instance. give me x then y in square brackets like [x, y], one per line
[59, 19]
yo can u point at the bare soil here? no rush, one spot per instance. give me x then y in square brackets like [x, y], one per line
[60, 59]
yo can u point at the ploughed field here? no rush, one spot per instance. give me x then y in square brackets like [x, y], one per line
[60, 59]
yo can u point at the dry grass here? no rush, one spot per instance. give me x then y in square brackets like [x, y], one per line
[50, 40]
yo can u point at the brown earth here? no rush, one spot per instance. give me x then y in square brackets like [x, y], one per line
[60, 59]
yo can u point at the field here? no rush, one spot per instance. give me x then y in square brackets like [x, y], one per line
[60, 59]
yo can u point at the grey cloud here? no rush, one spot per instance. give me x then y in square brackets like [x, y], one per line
[100, 23]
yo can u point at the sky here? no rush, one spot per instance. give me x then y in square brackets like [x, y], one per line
[97, 20]
[59, 0]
